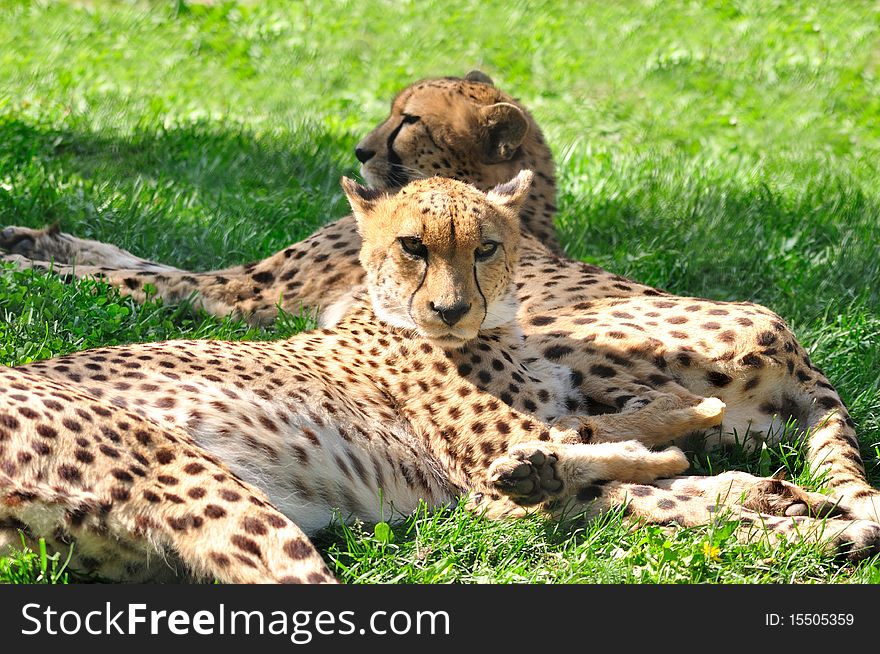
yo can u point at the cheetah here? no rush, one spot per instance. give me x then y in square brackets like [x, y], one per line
[206, 459]
[628, 345]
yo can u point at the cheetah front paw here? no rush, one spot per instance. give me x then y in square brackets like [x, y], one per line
[708, 413]
[527, 475]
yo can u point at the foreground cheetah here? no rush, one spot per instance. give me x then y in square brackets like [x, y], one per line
[628, 345]
[213, 459]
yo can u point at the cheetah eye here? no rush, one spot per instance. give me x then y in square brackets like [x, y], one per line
[413, 246]
[486, 250]
[409, 119]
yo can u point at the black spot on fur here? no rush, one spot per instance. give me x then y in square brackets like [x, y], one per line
[717, 378]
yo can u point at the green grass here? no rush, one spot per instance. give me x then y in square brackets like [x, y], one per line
[721, 149]
[28, 567]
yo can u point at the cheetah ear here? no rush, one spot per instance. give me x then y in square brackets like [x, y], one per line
[361, 198]
[506, 128]
[513, 193]
[479, 76]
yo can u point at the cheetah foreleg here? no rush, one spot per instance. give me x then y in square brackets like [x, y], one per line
[660, 421]
[50, 244]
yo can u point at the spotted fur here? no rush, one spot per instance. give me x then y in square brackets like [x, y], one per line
[629, 346]
[209, 459]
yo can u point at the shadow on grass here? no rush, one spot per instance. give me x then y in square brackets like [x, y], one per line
[698, 226]
[204, 188]
[208, 156]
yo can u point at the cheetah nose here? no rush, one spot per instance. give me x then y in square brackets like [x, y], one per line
[363, 155]
[453, 313]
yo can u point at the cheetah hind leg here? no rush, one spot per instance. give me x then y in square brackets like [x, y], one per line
[535, 472]
[249, 541]
[123, 520]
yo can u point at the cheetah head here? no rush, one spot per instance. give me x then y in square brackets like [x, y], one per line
[440, 254]
[460, 128]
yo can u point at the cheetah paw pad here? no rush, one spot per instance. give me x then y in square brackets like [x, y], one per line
[527, 475]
